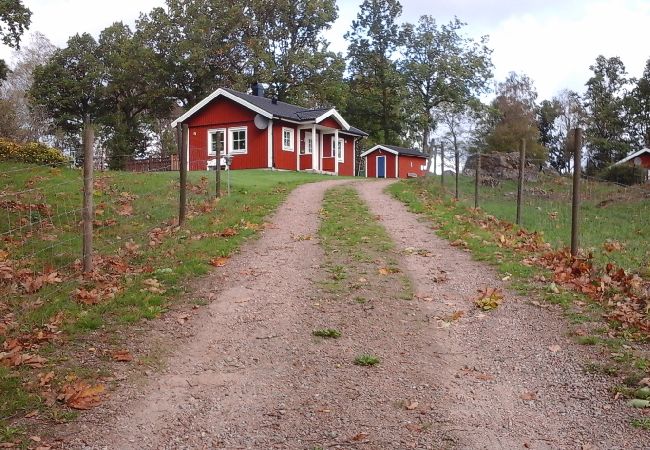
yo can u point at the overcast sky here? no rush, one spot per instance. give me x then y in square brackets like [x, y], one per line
[552, 41]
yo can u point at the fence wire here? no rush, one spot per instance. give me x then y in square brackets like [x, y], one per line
[41, 225]
[613, 217]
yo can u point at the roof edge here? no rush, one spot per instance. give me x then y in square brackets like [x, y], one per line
[218, 93]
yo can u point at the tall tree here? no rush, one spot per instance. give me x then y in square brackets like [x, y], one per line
[515, 106]
[15, 18]
[31, 123]
[131, 92]
[638, 105]
[376, 101]
[69, 86]
[570, 115]
[201, 45]
[442, 66]
[289, 53]
[605, 101]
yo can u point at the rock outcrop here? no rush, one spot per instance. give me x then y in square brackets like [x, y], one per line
[501, 166]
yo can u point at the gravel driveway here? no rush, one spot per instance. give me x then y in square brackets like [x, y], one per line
[252, 376]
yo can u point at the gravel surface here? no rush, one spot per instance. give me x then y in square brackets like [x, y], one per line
[496, 362]
[248, 373]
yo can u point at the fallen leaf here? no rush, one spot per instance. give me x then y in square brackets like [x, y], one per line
[219, 262]
[153, 286]
[528, 395]
[228, 232]
[411, 405]
[45, 378]
[555, 348]
[122, 356]
[359, 437]
[125, 210]
[182, 319]
[81, 395]
[415, 427]
[489, 298]
[86, 297]
[388, 270]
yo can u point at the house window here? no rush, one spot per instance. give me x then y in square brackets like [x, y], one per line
[287, 139]
[339, 151]
[216, 137]
[309, 145]
[237, 140]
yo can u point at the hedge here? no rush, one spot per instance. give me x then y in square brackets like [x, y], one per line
[625, 174]
[32, 153]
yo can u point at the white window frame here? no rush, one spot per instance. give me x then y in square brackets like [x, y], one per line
[334, 150]
[308, 148]
[292, 133]
[231, 141]
[210, 141]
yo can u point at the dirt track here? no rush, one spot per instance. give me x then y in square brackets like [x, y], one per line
[252, 376]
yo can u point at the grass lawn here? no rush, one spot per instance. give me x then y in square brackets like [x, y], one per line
[608, 212]
[144, 261]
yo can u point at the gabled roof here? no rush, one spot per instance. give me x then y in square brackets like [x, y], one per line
[267, 108]
[633, 155]
[396, 151]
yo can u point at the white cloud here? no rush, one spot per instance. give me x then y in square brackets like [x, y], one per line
[552, 41]
[60, 19]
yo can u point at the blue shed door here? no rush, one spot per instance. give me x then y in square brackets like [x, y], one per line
[381, 167]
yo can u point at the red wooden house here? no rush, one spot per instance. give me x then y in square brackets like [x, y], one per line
[389, 161]
[260, 132]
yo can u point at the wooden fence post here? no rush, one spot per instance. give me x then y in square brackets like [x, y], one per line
[182, 150]
[520, 184]
[457, 168]
[442, 166]
[575, 204]
[218, 169]
[477, 178]
[88, 209]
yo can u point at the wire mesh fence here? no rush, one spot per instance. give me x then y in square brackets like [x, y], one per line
[41, 228]
[613, 218]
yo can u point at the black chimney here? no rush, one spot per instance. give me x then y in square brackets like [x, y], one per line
[258, 89]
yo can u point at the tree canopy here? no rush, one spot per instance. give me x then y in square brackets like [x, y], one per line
[15, 18]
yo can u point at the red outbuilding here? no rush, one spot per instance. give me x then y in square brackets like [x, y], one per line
[389, 161]
[640, 159]
[260, 132]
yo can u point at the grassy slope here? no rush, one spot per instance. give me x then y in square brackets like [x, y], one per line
[625, 219]
[181, 255]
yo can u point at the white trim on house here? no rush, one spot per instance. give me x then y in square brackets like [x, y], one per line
[397, 166]
[220, 92]
[354, 157]
[335, 149]
[291, 146]
[632, 156]
[335, 114]
[211, 143]
[306, 150]
[378, 147]
[336, 155]
[231, 141]
[314, 154]
[322, 152]
[377, 167]
[188, 149]
[269, 144]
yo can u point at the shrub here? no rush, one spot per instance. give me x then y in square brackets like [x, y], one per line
[31, 153]
[625, 174]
